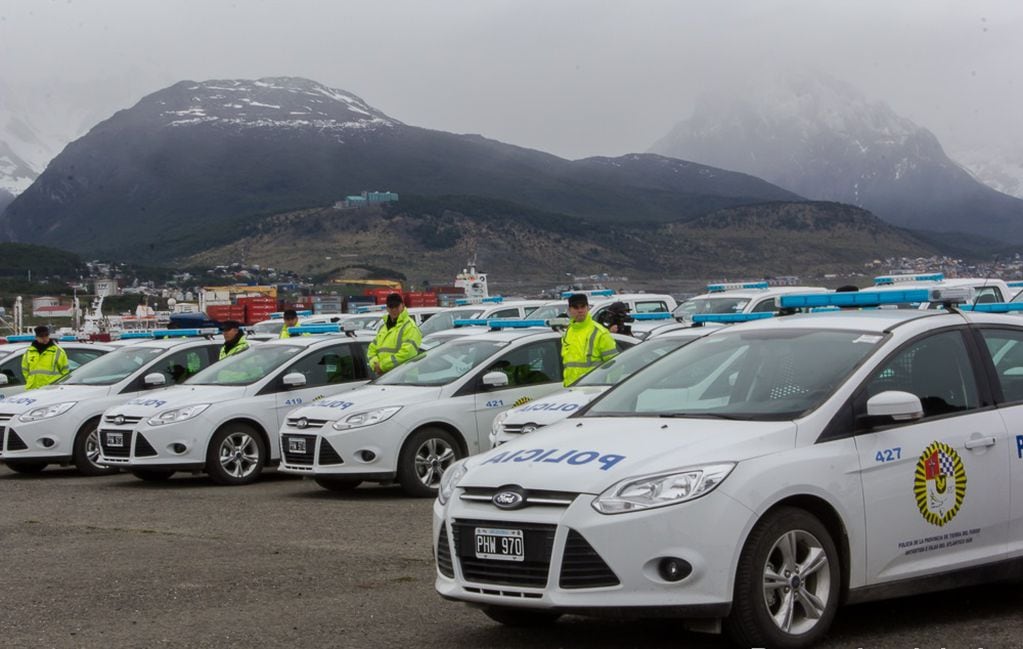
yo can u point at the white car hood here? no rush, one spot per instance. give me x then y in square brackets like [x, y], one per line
[177, 396]
[371, 396]
[51, 394]
[554, 407]
[588, 455]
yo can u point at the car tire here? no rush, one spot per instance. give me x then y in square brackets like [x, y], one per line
[337, 484]
[787, 583]
[86, 450]
[520, 617]
[427, 453]
[26, 467]
[152, 475]
[236, 455]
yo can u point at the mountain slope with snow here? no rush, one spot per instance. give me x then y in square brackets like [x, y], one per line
[824, 140]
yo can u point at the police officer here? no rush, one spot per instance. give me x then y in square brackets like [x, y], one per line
[397, 340]
[44, 361]
[234, 339]
[290, 320]
[586, 343]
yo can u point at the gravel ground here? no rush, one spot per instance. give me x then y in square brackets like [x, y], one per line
[116, 562]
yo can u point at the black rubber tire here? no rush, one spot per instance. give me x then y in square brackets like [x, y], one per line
[750, 623]
[337, 484]
[216, 470]
[152, 475]
[26, 467]
[407, 476]
[80, 454]
[521, 617]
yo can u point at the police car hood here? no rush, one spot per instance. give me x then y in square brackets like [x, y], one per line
[589, 455]
[554, 407]
[371, 396]
[178, 396]
[49, 395]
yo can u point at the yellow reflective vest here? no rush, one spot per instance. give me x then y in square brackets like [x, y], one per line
[239, 347]
[584, 346]
[393, 346]
[43, 367]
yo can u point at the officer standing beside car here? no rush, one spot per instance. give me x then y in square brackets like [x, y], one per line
[586, 343]
[234, 339]
[290, 320]
[44, 361]
[397, 340]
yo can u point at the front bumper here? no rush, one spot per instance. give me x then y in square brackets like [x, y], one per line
[43, 440]
[368, 453]
[173, 446]
[594, 564]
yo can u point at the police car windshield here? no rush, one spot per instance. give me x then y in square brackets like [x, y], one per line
[370, 321]
[443, 364]
[548, 312]
[763, 375]
[247, 367]
[630, 361]
[113, 367]
[272, 327]
[446, 319]
[723, 304]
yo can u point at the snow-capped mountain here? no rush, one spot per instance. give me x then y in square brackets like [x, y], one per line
[998, 169]
[823, 139]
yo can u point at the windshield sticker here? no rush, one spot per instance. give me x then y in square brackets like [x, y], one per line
[865, 338]
[340, 405]
[939, 483]
[557, 456]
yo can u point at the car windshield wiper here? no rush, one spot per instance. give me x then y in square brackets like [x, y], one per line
[703, 415]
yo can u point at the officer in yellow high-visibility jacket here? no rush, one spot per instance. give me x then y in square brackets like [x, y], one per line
[290, 320]
[44, 361]
[397, 340]
[586, 343]
[234, 339]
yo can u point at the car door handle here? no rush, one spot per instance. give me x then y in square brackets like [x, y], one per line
[979, 442]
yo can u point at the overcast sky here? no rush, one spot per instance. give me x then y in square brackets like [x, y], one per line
[573, 77]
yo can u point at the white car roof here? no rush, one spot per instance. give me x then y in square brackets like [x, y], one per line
[753, 293]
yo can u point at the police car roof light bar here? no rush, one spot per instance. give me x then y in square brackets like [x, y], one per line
[854, 299]
[730, 318]
[1015, 284]
[470, 322]
[494, 299]
[514, 323]
[185, 333]
[131, 335]
[993, 307]
[655, 315]
[300, 330]
[886, 280]
[734, 286]
[597, 292]
[27, 338]
[279, 315]
[371, 308]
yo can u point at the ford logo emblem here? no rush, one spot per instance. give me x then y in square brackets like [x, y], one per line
[119, 419]
[509, 498]
[302, 423]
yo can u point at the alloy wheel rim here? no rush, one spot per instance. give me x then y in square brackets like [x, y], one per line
[92, 448]
[796, 582]
[239, 455]
[433, 457]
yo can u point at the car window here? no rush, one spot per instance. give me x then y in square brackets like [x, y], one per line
[624, 365]
[505, 313]
[334, 364]
[446, 319]
[183, 364]
[651, 307]
[724, 304]
[78, 357]
[530, 364]
[247, 367]
[1006, 349]
[11, 368]
[765, 306]
[113, 367]
[442, 364]
[936, 369]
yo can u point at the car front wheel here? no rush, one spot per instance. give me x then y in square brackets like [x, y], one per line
[236, 455]
[427, 454]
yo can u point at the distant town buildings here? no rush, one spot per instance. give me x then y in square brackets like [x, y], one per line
[366, 199]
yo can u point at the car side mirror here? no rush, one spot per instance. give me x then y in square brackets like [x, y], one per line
[294, 380]
[894, 406]
[3, 379]
[154, 380]
[495, 379]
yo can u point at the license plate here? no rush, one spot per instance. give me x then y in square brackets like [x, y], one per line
[115, 439]
[500, 544]
[296, 444]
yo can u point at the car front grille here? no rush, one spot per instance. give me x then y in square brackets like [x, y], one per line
[328, 454]
[532, 572]
[5, 417]
[124, 420]
[124, 450]
[143, 448]
[582, 567]
[444, 554]
[14, 442]
[533, 497]
[292, 422]
[292, 457]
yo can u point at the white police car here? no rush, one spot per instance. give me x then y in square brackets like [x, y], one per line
[601, 299]
[510, 424]
[224, 419]
[411, 423]
[740, 297]
[985, 290]
[12, 381]
[57, 424]
[758, 477]
[490, 308]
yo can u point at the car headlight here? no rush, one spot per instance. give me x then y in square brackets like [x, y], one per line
[647, 492]
[45, 412]
[495, 428]
[368, 418]
[178, 414]
[450, 479]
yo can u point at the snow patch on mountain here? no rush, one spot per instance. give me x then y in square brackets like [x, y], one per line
[998, 169]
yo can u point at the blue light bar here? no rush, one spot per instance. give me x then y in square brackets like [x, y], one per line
[602, 292]
[656, 315]
[332, 328]
[1016, 284]
[854, 299]
[184, 333]
[279, 315]
[464, 301]
[885, 280]
[993, 307]
[470, 322]
[511, 323]
[718, 288]
[825, 309]
[27, 338]
[371, 308]
[731, 318]
[130, 335]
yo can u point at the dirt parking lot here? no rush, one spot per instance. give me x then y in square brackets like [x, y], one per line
[116, 562]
